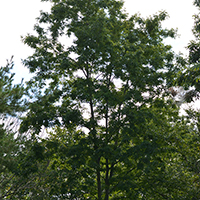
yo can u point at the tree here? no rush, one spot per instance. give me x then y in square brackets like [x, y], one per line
[190, 76]
[103, 98]
[12, 104]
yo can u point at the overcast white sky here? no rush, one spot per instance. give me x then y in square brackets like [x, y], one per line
[17, 18]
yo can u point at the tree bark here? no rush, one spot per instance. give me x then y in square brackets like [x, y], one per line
[107, 185]
[99, 180]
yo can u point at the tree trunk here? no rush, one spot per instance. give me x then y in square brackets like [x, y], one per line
[99, 180]
[107, 185]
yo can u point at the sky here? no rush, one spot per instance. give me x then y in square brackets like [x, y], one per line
[17, 19]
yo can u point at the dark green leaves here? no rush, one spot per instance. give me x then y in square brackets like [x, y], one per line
[101, 97]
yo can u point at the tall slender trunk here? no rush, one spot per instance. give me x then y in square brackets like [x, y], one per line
[99, 180]
[93, 131]
[107, 184]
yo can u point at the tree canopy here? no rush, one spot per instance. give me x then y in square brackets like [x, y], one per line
[94, 91]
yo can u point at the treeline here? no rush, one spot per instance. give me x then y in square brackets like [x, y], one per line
[112, 129]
